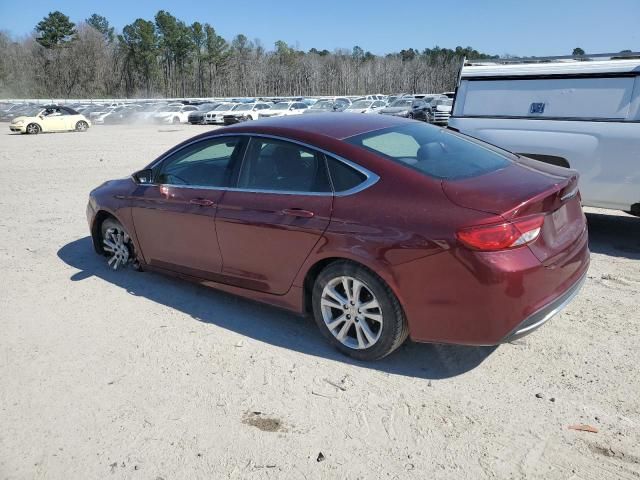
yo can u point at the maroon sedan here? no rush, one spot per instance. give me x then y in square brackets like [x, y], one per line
[379, 227]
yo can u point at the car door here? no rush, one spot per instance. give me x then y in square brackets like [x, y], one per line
[174, 216]
[270, 222]
[54, 121]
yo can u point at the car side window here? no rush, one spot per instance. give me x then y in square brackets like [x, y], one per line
[277, 165]
[208, 163]
[343, 176]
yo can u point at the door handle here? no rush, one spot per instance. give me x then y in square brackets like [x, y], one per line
[203, 202]
[298, 212]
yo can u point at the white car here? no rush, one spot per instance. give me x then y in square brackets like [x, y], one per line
[282, 109]
[99, 112]
[439, 111]
[217, 114]
[243, 112]
[146, 113]
[100, 116]
[577, 114]
[52, 118]
[365, 106]
[174, 114]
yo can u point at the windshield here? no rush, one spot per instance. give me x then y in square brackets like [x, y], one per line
[361, 104]
[171, 109]
[280, 106]
[435, 152]
[447, 101]
[205, 107]
[223, 107]
[244, 107]
[401, 103]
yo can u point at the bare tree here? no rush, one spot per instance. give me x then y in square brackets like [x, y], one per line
[166, 57]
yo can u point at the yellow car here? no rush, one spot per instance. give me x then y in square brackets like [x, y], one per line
[52, 118]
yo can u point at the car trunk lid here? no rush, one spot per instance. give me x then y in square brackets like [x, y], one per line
[524, 188]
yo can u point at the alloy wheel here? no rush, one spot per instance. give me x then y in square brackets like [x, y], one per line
[33, 129]
[116, 243]
[351, 312]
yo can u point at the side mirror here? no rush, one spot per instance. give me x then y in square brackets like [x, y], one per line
[143, 176]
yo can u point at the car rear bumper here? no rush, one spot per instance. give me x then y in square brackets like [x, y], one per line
[488, 298]
[542, 316]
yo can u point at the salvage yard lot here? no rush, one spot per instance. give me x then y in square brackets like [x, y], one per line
[134, 375]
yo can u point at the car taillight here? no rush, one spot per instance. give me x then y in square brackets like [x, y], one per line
[502, 236]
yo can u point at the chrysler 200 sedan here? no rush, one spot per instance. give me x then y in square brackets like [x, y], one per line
[380, 227]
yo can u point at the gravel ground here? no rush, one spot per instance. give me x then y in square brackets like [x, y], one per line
[134, 375]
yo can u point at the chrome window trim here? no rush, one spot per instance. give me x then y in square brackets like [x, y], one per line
[371, 178]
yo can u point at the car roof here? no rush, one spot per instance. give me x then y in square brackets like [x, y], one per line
[337, 126]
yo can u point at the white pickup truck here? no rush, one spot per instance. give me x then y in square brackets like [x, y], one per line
[577, 113]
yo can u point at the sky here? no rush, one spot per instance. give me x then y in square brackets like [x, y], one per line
[522, 28]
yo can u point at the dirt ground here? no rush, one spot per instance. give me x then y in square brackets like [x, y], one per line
[133, 375]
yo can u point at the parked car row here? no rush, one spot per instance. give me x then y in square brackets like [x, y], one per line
[433, 108]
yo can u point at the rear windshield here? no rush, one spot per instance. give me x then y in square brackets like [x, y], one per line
[432, 151]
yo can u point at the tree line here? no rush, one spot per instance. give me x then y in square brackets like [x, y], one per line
[165, 57]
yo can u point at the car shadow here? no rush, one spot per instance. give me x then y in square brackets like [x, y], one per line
[264, 323]
[615, 235]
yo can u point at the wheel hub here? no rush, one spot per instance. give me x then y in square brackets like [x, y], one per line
[351, 312]
[116, 243]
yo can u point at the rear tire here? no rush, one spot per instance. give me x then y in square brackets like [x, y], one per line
[370, 324]
[82, 126]
[176, 120]
[33, 129]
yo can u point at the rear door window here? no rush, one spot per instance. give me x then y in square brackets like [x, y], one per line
[276, 165]
[435, 152]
